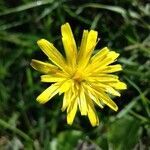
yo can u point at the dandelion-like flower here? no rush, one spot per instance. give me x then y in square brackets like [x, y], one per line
[84, 79]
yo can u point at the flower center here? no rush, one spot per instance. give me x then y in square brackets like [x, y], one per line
[78, 76]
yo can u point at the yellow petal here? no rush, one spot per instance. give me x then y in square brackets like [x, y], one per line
[53, 54]
[98, 66]
[91, 94]
[65, 86]
[43, 67]
[111, 57]
[88, 44]
[112, 91]
[100, 55]
[92, 114]
[96, 100]
[69, 44]
[82, 101]
[98, 89]
[83, 45]
[119, 85]
[69, 96]
[112, 68]
[51, 78]
[102, 79]
[71, 111]
[102, 75]
[106, 100]
[48, 93]
[106, 88]
[66, 99]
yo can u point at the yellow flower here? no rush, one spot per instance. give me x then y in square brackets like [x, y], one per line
[84, 79]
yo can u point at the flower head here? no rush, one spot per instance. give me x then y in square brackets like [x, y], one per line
[85, 79]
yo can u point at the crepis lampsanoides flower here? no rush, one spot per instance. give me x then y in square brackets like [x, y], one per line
[83, 78]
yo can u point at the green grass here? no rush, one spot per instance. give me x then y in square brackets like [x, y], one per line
[122, 25]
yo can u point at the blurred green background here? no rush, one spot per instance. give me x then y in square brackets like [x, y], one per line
[24, 124]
